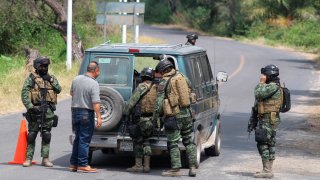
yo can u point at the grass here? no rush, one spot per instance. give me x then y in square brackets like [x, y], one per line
[11, 85]
[303, 36]
[13, 74]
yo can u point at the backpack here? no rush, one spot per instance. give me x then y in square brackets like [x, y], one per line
[286, 105]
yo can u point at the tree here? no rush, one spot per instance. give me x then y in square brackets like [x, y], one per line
[53, 13]
[290, 9]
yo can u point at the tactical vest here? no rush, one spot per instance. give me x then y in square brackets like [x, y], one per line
[149, 100]
[35, 93]
[179, 95]
[271, 105]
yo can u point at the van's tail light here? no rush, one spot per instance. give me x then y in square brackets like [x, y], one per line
[133, 50]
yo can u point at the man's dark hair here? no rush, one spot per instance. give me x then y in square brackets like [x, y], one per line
[92, 66]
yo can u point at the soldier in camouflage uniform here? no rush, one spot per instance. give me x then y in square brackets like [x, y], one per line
[269, 99]
[145, 94]
[35, 86]
[177, 118]
[192, 38]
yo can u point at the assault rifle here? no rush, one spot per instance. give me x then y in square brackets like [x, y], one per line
[43, 106]
[253, 121]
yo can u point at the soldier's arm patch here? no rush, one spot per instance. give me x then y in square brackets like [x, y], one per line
[160, 88]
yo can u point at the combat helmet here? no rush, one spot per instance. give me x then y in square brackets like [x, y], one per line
[192, 36]
[147, 74]
[40, 61]
[270, 71]
[164, 64]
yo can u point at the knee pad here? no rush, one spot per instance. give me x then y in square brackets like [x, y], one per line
[46, 137]
[32, 135]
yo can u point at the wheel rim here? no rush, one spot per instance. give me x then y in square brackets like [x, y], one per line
[106, 109]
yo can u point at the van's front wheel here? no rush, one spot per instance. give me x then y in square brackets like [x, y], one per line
[215, 149]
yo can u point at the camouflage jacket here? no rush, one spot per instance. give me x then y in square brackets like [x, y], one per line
[136, 96]
[25, 93]
[161, 95]
[263, 90]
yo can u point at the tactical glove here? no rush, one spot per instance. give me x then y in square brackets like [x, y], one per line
[47, 77]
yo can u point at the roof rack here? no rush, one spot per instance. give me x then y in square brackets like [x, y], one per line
[147, 46]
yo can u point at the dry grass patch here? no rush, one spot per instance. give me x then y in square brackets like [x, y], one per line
[10, 91]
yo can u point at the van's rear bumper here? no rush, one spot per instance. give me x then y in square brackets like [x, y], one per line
[113, 141]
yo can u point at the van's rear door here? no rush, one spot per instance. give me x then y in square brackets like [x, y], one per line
[116, 71]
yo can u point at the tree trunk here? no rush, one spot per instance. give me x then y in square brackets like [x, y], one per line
[60, 12]
[173, 6]
[31, 55]
[77, 47]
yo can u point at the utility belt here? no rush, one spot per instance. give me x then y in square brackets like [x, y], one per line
[271, 116]
[31, 117]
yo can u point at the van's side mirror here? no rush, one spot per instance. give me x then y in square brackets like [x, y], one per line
[222, 76]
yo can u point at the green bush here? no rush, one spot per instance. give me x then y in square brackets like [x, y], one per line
[9, 63]
[157, 12]
[303, 34]
[199, 17]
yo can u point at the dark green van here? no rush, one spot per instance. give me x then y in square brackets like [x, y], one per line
[120, 65]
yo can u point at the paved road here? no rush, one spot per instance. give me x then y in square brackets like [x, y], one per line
[239, 158]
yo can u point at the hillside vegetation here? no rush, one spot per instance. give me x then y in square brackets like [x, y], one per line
[294, 23]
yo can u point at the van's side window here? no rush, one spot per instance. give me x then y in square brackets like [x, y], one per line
[205, 68]
[209, 67]
[195, 73]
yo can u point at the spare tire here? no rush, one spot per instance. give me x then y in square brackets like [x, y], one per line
[111, 107]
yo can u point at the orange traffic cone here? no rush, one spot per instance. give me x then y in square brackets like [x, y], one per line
[21, 148]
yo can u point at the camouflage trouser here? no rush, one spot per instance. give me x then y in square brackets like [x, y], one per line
[184, 130]
[267, 150]
[35, 127]
[141, 144]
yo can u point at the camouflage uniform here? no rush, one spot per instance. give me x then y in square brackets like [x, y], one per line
[268, 121]
[33, 125]
[143, 95]
[183, 123]
[142, 146]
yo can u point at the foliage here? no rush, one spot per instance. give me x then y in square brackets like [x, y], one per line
[7, 64]
[157, 12]
[16, 31]
[305, 34]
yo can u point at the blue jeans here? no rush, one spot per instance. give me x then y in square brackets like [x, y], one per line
[82, 126]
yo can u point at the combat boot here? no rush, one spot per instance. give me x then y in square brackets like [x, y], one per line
[146, 164]
[271, 164]
[137, 167]
[192, 171]
[27, 163]
[266, 172]
[172, 173]
[46, 162]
